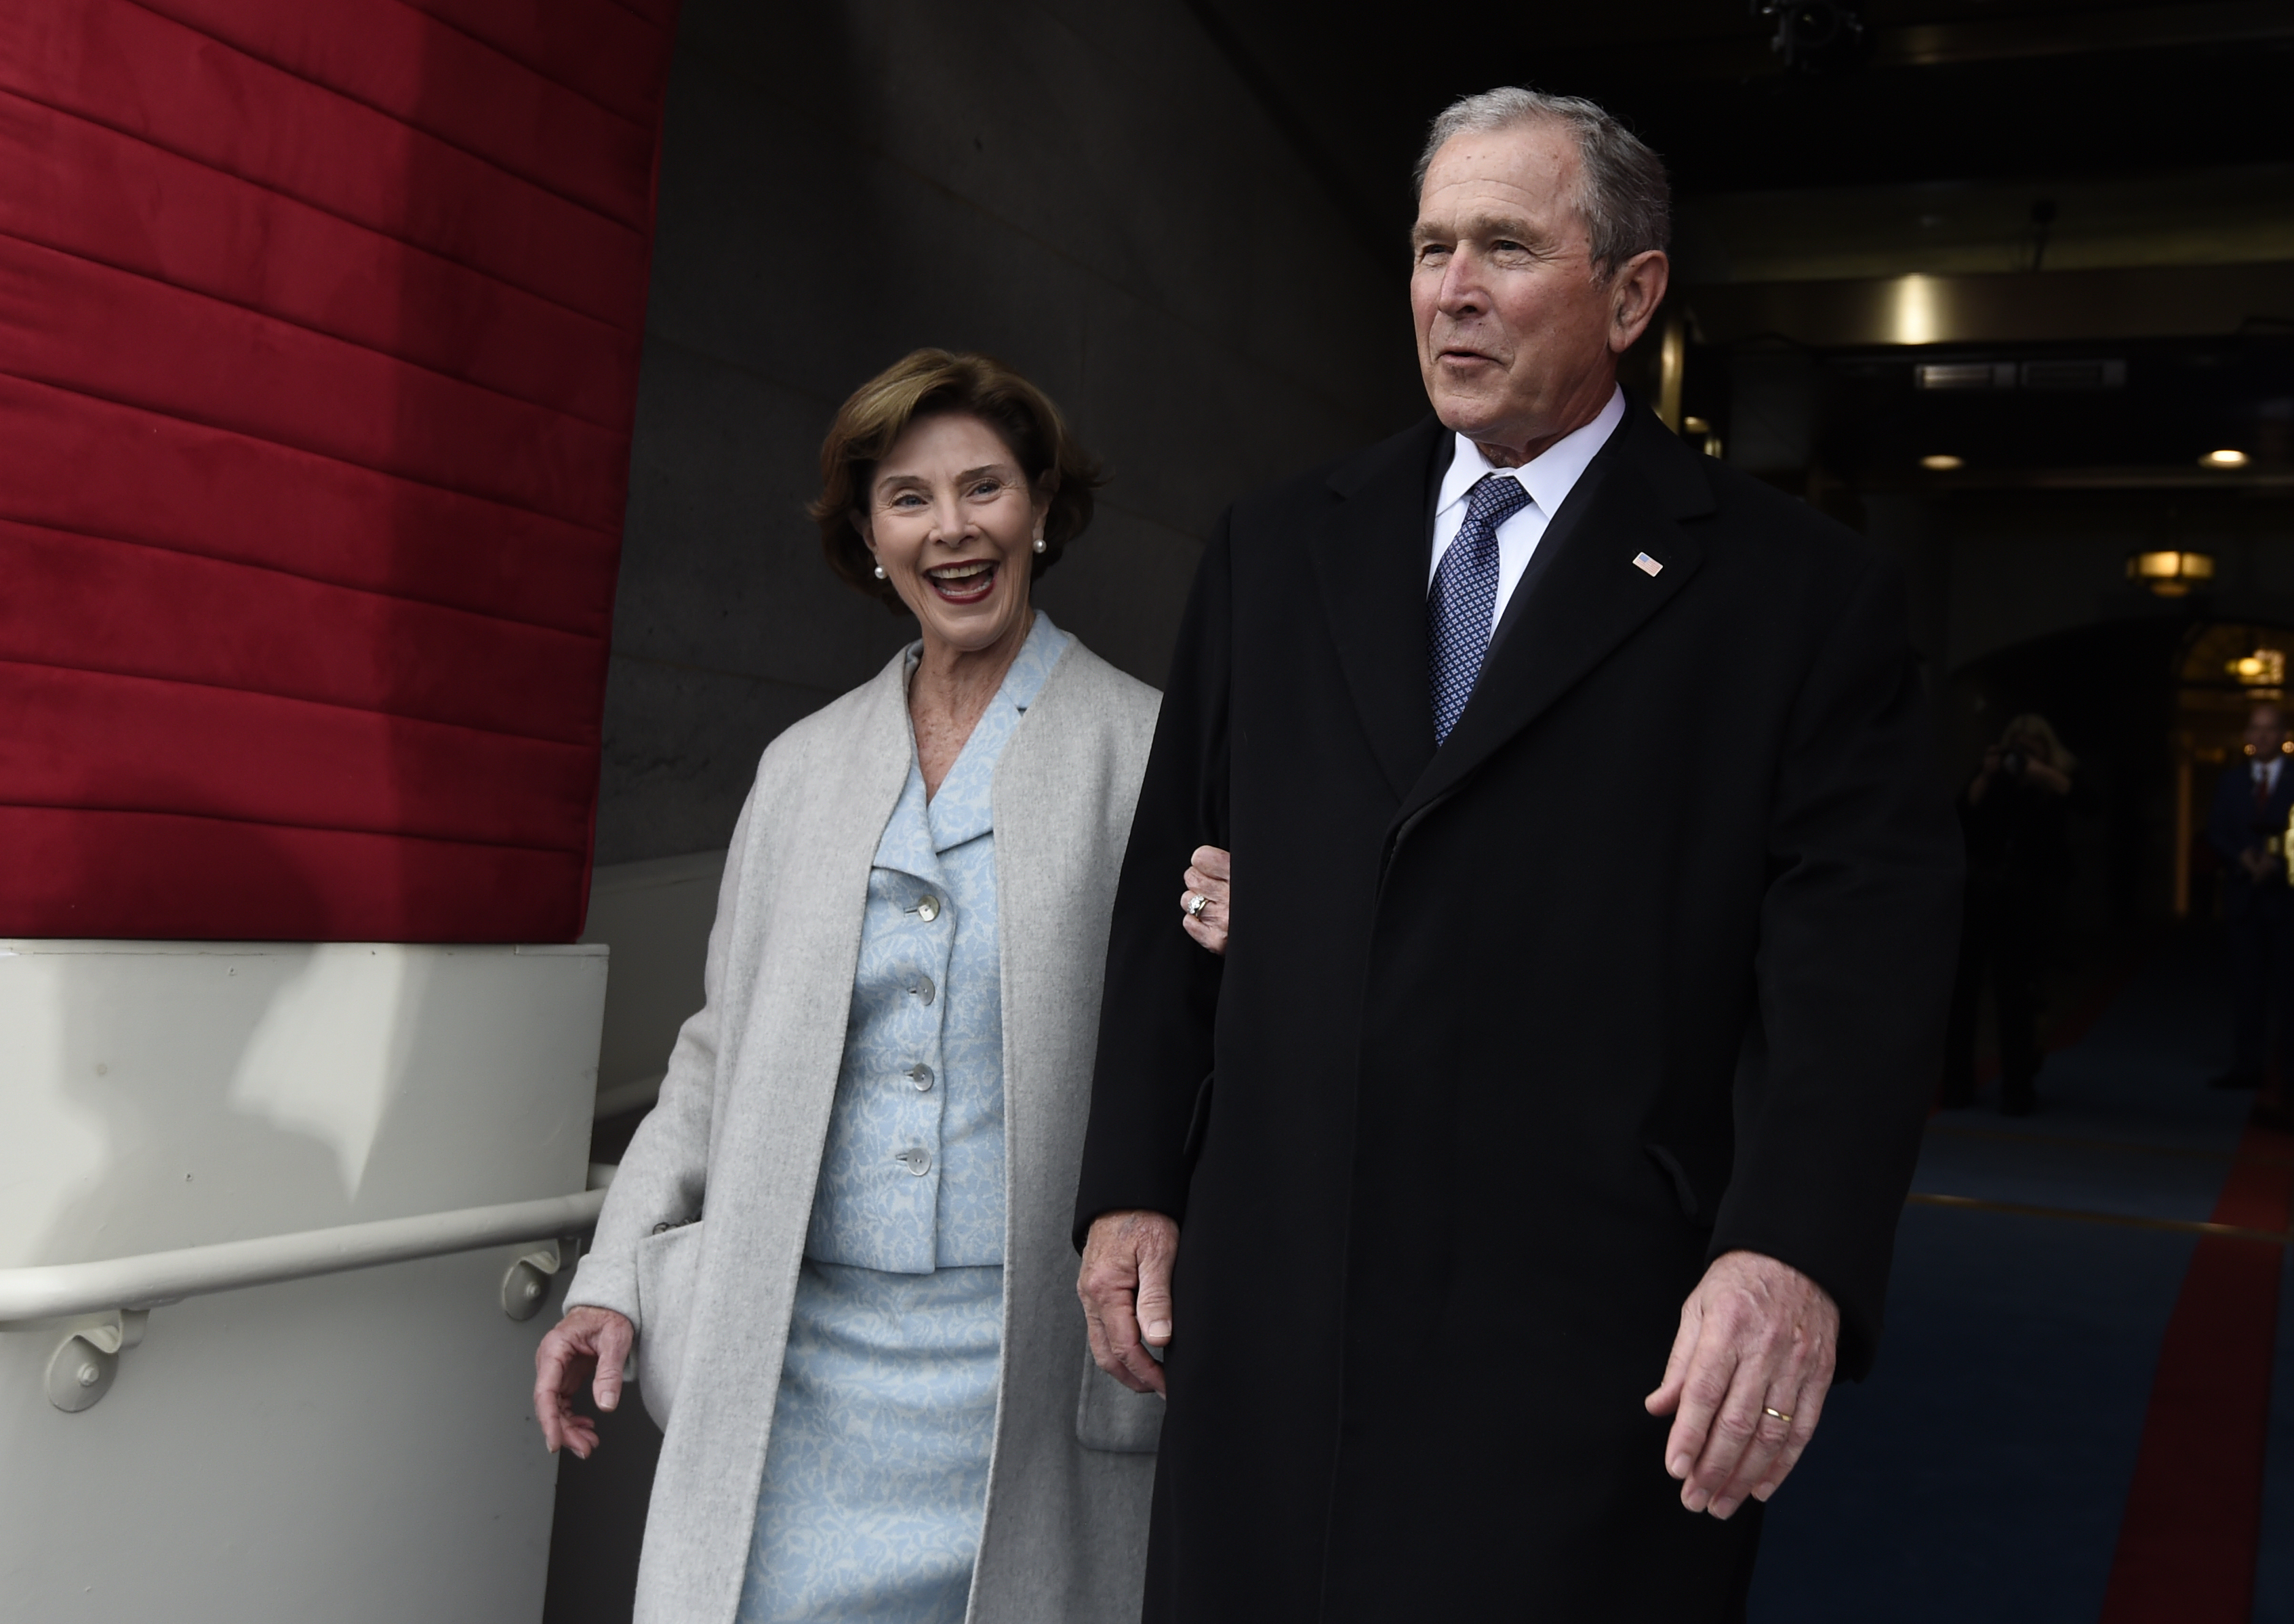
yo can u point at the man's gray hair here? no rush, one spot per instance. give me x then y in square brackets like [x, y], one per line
[1622, 195]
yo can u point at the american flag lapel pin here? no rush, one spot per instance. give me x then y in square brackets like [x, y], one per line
[1645, 565]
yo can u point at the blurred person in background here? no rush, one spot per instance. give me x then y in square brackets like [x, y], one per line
[2016, 814]
[2247, 828]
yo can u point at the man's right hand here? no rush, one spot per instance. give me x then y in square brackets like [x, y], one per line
[587, 1340]
[1125, 1286]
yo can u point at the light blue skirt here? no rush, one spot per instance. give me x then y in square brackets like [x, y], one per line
[876, 1477]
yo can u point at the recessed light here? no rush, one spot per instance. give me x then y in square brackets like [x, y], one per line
[1942, 462]
[2225, 460]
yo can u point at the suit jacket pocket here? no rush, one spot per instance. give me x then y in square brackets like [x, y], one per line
[667, 1265]
[1109, 1416]
[1699, 1176]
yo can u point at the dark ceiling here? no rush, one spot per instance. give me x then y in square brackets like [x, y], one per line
[2115, 143]
[1940, 90]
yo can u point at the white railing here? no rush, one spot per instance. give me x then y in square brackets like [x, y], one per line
[628, 1096]
[101, 1306]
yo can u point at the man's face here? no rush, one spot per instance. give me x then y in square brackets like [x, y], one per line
[1517, 339]
[2265, 730]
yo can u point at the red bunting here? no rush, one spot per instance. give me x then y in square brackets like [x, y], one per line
[319, 339]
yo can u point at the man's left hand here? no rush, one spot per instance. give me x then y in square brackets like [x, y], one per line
[1746, 1380]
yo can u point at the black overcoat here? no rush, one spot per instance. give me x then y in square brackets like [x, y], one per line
[1648, 962]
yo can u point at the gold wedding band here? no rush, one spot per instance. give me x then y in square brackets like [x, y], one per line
[1770, 1409]
[1194, 904]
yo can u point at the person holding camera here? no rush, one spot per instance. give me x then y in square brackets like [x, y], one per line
[2016, 814]
[2253, 802]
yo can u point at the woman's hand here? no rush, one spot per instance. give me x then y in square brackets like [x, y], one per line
[586, 1339]
[1208, 878]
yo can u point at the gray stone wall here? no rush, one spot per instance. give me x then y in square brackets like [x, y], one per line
[1087, 191]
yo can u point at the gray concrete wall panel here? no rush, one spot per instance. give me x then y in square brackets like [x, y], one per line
[1086, 192]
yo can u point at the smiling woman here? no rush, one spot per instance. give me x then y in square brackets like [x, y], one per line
[929, 383]
[939, 477]
[844, 1283]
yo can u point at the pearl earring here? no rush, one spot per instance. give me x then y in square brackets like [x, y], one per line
[880, 573]
[1040, 544]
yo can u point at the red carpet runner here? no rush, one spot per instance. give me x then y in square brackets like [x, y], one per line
[2193, 1520]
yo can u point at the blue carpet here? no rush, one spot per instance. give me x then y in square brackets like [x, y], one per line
[1979, 1476]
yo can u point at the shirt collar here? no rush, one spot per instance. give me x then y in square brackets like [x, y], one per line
[1549, 476]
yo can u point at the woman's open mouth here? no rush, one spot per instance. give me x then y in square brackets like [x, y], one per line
[963, 583]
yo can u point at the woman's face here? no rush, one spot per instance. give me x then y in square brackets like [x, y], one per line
[952, 524]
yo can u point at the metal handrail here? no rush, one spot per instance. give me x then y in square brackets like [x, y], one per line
[54, 1291]
[621, 1097]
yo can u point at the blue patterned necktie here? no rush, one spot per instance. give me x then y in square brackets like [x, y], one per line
[1464, 602]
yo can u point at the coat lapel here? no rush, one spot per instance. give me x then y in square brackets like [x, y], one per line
[1584, 596]
[1371, 560]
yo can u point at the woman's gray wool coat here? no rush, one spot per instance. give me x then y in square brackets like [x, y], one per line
[736, 1139]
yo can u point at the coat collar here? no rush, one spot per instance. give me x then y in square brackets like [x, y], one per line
[874, 771]
[1369, 560]
[1584, 595]
[1582, 598]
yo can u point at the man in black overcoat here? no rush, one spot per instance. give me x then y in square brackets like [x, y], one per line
[1593, 916]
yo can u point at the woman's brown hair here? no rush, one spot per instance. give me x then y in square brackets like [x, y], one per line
[927, 383]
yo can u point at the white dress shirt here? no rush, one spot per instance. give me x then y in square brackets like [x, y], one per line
[2265, 773]
[1549, 477]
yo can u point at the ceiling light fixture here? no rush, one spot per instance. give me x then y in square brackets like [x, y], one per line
[1942, 462]
[1918, 315]
[2225, 460]
[2265, 668]
[2169, 572]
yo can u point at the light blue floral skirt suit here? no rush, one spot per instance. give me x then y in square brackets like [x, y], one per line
[850, 1267]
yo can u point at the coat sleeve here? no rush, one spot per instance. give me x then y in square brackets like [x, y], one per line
[1161, 992]
[1859, 931]
[662, 1175]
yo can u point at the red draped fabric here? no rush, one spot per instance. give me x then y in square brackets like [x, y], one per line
[319, 339]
